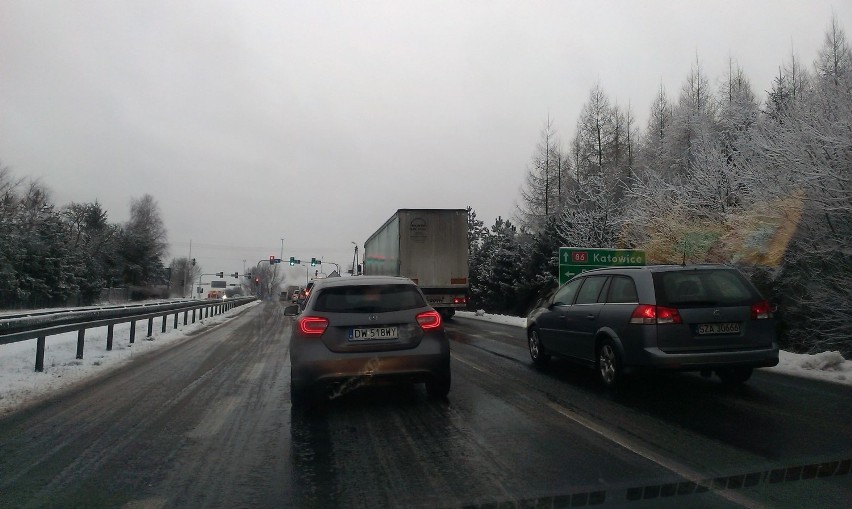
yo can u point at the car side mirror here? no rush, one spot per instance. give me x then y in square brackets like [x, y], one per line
[291, 310]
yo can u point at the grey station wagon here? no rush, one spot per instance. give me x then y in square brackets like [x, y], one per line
[671, 317]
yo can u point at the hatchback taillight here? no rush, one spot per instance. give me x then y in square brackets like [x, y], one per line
[312, 325]
[761, 310]
[647, 314]
[429, 320]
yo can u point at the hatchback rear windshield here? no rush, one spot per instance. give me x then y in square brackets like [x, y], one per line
[721, 287]
[369, 299]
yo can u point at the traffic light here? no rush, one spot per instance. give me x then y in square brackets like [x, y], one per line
[271, 259]
[235, 274]
[193, 262]
[220, 274]
[257, 280]
[292, 260]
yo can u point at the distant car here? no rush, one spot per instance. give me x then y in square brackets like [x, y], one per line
[359, 330]
[295, 296]
[668, 317]
[305, 293]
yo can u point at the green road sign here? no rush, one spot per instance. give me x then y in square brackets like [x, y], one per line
[574, 260]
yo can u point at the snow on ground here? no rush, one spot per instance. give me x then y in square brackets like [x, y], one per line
[21, 385]
[826, 366]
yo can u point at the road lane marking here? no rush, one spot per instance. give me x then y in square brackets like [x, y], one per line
[723, 485]
[671, 465]
[474, 366]
[681, 470]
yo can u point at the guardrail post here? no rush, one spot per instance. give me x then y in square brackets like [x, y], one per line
[81, 337]
[193, 315]
[164, 323]
[176, 319]
[109, 337]
[150, 326]
[185, 317]
[132, 331]
[207, 312]
[40, 354]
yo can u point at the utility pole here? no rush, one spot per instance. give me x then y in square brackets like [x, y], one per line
[186, 269]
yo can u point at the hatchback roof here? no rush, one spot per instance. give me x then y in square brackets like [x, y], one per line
[363, 281]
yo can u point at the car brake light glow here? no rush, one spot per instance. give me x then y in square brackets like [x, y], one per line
[761, 310]
[429, 320]
[459, 300]
[312, 325]
[647, 314]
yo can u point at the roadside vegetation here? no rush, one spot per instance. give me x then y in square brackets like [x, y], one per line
[714, 176]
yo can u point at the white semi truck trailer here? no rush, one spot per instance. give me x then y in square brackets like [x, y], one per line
[428, 246]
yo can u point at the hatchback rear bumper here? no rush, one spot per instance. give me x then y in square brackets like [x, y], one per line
[314, 365]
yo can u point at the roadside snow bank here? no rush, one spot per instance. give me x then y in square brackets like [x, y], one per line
[21, 385]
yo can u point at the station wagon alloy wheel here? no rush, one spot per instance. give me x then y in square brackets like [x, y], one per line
[537, 353]
[609, 364]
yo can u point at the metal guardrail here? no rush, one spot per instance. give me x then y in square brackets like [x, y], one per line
[27, 320]
[10, 315]
[39, 328]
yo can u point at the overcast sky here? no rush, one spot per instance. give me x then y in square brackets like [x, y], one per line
[311, 121]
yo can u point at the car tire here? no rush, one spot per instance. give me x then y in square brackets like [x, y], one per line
[299, 395]
[609, 366]
[734, 376]
[538, 354]
[439, 386]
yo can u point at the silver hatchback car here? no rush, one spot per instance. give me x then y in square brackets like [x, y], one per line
[362, 330]
[684, 318]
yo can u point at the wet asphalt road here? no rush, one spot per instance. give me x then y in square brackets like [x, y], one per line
[207, 423]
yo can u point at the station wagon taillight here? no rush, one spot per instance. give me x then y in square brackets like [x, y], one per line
[761, 310]
[429, 320]
[312, 325]
[647, 314]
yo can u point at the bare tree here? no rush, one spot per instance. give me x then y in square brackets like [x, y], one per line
[546, 181]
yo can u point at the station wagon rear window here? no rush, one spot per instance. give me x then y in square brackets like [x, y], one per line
[703, 288]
